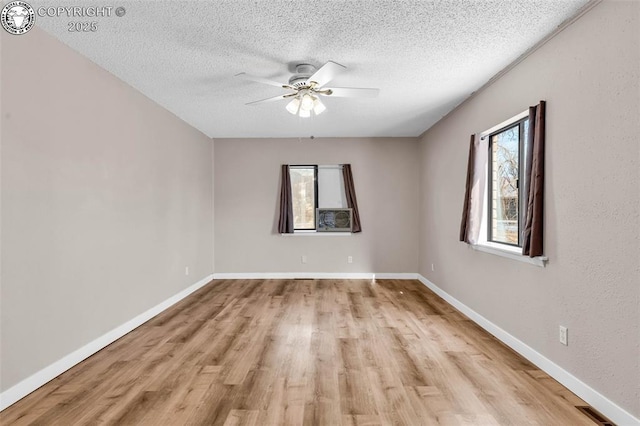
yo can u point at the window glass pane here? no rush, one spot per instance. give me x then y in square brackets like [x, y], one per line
[331, 187]
[303, 193]
[504, 185]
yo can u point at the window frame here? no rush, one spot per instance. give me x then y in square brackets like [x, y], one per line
[518, 122]
[315, 193]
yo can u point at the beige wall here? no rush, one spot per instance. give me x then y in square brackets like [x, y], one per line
[589, 75]
[247, 177]
[106, 197]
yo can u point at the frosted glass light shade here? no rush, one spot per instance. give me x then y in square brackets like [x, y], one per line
[293, 106]
[304, 113]
[318, 106]
[306, 102]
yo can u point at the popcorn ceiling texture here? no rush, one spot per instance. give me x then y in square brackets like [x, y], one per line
[425, 56]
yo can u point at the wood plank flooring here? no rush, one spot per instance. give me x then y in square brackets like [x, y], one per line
[312, 352]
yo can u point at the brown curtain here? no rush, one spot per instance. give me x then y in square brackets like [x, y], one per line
[285, 223]
[534, 186]
[350, 192]
[465, 226]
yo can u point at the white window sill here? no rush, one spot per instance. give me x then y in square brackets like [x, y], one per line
[510, 253]
[317, 234]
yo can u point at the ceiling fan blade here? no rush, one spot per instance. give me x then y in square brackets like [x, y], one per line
[350, 92]
[257, 79]
[275, 98]
[326, 73]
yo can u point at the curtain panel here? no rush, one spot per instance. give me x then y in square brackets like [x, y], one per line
[285, 222]
[350, 193]
[465, 226]
[532, 233]
[474, 190]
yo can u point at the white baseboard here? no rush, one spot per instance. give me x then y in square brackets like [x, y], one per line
[601, 403]
[394, 276]
[291, 275]
[33, 382]
[313, 275]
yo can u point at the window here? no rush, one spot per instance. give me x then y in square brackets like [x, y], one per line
[314, 186]
[507, 147]
[495, 215]
[503, 203]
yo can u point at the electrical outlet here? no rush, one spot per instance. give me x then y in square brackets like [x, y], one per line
[349, 259]
[432, 268]
[564, 335]
[303, 259]
[186, 270]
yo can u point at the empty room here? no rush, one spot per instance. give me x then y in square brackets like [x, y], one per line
[287, 212]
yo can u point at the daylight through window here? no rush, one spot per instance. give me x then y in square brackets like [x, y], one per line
[505, 183]
[303, 193]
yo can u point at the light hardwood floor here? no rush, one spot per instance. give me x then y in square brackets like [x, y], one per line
[325, 352]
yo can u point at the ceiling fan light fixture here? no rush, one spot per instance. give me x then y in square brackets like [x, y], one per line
[318, 107]
[293, 106]
[307, 102]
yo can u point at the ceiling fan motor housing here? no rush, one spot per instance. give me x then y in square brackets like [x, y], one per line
[303, 72]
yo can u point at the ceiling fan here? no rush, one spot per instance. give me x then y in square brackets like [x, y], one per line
[306, 87]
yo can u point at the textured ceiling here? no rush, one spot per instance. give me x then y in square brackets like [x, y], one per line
[425, 56]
